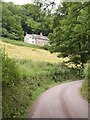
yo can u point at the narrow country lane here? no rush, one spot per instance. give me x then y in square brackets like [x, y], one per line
[62, 101]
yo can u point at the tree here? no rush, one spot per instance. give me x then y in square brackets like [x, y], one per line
[11, 22]
[71, 32]
[29, 18]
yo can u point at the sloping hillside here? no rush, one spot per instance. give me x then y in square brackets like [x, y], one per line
[30, 73]
[34, 54]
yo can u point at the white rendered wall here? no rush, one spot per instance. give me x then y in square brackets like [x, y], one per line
[29, 40]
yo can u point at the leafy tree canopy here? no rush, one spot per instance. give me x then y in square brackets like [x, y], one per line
[71, 32]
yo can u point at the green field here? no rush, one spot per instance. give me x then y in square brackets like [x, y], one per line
[22, 50]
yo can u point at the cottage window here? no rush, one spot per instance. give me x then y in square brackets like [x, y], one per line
[33, 42]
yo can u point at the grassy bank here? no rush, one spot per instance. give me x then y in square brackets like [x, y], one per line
[20, 88]
[86, 84]
[25, 81]
[25, 77]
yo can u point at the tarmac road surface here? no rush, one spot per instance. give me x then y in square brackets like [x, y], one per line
[61, 101]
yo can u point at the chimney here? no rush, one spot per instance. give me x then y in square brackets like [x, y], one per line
[41, 34]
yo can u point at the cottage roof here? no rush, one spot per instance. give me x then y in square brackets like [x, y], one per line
[35, 36]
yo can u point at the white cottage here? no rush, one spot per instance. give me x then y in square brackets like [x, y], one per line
[36, 39]
[29, 39]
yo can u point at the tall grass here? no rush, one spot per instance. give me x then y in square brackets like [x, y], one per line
[55, 72]
[10, 82]
[24, 80]
[86, 84]
[20, 88]
[29, 53]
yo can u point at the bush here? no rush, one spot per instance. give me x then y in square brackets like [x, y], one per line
[46, 47]
[10, 81]
[4, 32]
[20, 88]
[10, 72]
[15, 90]
[54, 72]
[60, 73]
[25, 80]
[86, 84]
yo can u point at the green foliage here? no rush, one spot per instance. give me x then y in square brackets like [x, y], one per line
[10, 80]
[10, 72]
[56, 72]
[71, 32]
[86, 84]
[0, 84]
[11, 22]
[46, 47]
[24, 80]
[19, 19]
[4, 32]
[33, 24]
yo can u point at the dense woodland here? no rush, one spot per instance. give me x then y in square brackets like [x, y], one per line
[68, 26]
[19, 19]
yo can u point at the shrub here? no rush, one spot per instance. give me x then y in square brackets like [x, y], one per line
[14, 89]
[46, 47]
[4, 32]
[86, 84]
[10, 72]
[20, 88]
[61, 72]
[25, 80]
